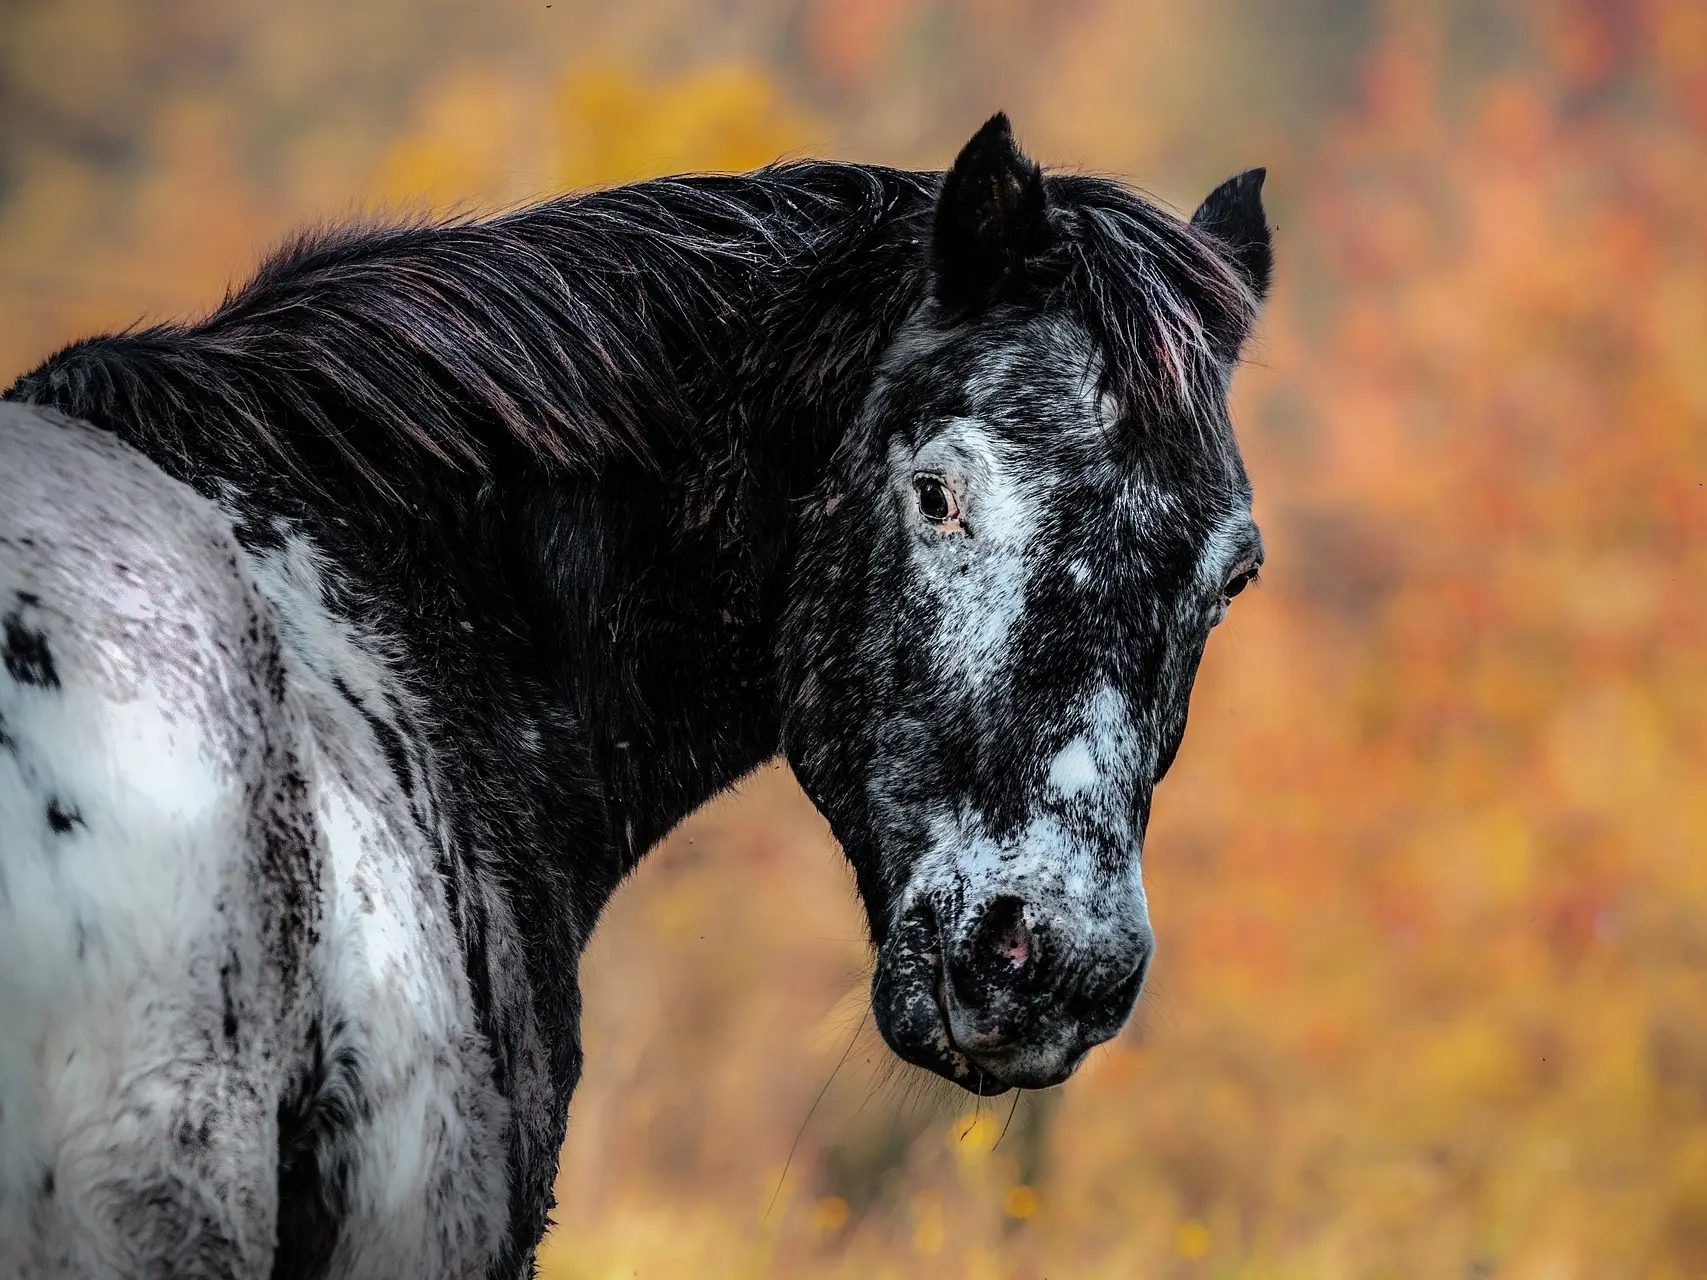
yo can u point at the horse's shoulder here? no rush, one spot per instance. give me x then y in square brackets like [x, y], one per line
[159, 855]
[142, 577]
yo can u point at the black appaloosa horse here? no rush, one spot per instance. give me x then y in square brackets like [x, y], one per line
[359, 639]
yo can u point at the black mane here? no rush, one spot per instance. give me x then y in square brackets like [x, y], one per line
[590, 328]
[579, 330]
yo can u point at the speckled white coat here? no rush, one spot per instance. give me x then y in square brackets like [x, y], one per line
[208, 880]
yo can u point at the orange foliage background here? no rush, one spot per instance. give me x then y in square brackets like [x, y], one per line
[1429, 877]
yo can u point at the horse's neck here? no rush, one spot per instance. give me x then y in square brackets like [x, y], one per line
[592, 656]
[583, 653]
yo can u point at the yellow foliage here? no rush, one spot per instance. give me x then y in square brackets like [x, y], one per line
[830, 1213]
[1020, 1202]
[1192, 1240]
[615, 127]
[470, 146]
[479, 137]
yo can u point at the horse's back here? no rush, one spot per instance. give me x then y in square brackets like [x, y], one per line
[218, 909]
[158, 867]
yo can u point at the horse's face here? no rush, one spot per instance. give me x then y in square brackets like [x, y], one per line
[999, 612]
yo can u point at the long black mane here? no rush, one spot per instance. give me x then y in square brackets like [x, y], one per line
[594, 327]
[580, 330]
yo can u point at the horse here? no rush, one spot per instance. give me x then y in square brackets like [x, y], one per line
[361, 637]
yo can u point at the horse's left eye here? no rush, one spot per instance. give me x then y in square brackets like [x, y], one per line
[1238, 582]
[936, 503]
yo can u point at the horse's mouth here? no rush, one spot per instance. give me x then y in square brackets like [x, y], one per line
[963, 1069]
[911, 1003]
[994, 1079]
[966, 1072]
[917, 1011]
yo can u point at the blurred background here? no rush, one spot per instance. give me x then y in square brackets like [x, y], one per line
[1430, 875]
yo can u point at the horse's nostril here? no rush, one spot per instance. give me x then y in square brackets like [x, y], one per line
[1126, 995]
[1110, 1006]
[1003, 934]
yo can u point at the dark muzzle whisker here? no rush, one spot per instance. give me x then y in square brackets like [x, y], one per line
[800, 1133]
[1018, 1094]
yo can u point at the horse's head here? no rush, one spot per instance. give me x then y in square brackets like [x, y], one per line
[1003, 594]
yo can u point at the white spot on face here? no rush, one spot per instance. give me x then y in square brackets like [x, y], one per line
[1077, 406]
[1045, 375]
[975, 576]
[1074, 769]
[977, 579]
[1224, 552]
[1048, 864]
[1108, 411]
[1150, 504]
[1059, 861]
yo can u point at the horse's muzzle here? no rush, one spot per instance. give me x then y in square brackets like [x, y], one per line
[1000, 996]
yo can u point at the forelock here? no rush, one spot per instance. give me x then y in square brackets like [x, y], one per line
[1166, 311]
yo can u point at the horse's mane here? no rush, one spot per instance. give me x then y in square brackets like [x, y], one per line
[575, 328]
[564, 325]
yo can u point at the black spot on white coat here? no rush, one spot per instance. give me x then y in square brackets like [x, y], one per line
[61, 817]
[24, 648]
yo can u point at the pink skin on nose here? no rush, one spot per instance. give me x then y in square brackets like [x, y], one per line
[1016, 944]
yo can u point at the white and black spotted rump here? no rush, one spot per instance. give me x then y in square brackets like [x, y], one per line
[204, 870]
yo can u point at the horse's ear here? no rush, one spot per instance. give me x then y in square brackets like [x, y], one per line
[1232, 213]
[992, 215]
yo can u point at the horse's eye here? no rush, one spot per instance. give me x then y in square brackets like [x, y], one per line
[936, 504]
[1238, 582]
